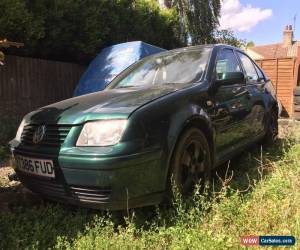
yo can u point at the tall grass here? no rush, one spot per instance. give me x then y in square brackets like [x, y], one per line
[255, 194]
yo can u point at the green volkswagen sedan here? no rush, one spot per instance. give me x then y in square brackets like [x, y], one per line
[171, 116]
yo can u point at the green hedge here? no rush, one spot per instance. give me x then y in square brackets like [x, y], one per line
[75, 30]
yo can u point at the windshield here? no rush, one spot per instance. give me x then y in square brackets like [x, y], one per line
[178, 67]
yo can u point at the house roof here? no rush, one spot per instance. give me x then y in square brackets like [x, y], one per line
[276, 50]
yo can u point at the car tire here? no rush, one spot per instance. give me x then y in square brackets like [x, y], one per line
[271, 128]
[191, 163]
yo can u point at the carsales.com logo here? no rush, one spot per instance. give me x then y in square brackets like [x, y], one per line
[253, 240]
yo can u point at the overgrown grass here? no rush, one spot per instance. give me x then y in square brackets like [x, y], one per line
[258, 194]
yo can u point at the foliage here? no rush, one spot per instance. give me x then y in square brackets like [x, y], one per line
[199, 22]
[198, 19]
[227, 37]
[203, 20]
[250, 44]
[257, 195]
[75, 30]
[18, 22]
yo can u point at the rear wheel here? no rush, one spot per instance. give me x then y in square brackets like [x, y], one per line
[191, 163]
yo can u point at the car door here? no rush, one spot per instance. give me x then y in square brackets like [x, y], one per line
[230, 105]
[255, 84]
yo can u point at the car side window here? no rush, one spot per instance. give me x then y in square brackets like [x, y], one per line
[260, 74]
[249, 68]
[226, 62]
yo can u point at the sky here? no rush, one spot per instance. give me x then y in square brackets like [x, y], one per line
[260, 21]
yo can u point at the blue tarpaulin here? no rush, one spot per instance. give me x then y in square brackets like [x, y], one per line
[110, 62]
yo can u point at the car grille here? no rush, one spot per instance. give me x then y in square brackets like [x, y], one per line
[55, 135]
[52, 189]
[90, 194]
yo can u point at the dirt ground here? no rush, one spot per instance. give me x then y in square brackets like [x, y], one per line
[12, 192]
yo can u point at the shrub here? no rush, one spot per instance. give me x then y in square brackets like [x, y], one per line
[75, 30]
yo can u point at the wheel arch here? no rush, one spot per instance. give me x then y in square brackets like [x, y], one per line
[203, 124]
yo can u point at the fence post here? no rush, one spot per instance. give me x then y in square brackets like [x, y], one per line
[276, 76]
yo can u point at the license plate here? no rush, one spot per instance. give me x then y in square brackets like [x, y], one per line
[35, 166]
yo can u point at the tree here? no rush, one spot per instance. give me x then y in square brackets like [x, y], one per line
[203, 20]
[227, 37]
[198, 19]
[250, 44]
[18, 23]
[76, 30]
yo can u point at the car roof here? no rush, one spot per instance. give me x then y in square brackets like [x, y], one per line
[197, 47]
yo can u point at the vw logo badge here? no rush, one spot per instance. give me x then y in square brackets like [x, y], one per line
[39, 134]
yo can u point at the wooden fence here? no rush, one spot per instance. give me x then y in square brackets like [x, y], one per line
[282, 72]
[28, 83]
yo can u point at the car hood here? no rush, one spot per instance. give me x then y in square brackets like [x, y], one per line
[110, 103]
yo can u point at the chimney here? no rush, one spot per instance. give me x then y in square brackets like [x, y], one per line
[288, 36]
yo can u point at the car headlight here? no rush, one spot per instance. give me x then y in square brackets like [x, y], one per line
[20, 131]
[101, 133]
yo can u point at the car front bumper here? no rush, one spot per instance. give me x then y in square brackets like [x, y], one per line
[114, 183]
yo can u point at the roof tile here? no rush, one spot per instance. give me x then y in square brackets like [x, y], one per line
[276, 50]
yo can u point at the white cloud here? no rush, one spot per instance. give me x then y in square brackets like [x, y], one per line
[237, 17]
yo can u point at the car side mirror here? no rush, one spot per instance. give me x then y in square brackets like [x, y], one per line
[230, 78]
[261, 79]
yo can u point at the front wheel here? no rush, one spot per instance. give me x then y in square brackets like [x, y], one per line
[191, 162]
[271, 128]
